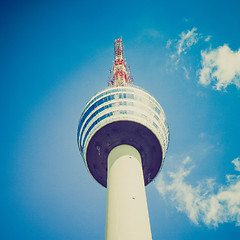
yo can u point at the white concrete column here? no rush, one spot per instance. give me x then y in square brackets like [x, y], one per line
[127, 213]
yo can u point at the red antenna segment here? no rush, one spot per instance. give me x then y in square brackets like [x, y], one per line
[120, 75]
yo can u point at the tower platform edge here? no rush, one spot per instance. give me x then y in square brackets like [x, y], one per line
[123, 115]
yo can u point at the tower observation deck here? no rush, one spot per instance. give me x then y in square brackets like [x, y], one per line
[123, 138]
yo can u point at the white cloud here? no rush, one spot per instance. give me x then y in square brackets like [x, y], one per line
[187, 39]
[151, 33]
[236, 162]
[207, 202]
[186, 71]
[202, 135]
[186, 160]
[221, 67]
[184, 43]
[207, 39]
[186, 19]
[181, 46]
[169, 42]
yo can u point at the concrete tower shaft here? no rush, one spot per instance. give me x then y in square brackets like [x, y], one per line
[127, 212]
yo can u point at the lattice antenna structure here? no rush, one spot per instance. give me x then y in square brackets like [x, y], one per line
[121, 77]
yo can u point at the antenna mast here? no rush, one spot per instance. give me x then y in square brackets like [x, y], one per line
[121, 77]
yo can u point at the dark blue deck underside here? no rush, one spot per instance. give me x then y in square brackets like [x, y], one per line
[123, 132]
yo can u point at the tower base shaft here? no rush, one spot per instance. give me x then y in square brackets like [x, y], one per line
[127, 213]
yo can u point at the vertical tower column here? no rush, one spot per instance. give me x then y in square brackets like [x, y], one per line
[127, 213]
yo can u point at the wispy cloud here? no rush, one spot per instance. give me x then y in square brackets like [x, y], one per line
[208, 202]
[186, 71]
[187, 40]
[169, 42]
[184, 43]
[150, 33]
[207, 39]
[220, 67]
[236, 162]
[181, 46]
[186, 20]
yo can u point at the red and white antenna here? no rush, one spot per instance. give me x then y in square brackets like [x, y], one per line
[120, 75]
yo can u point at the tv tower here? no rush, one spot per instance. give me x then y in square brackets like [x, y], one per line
[123, 137]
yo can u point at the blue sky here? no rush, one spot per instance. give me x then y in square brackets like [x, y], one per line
[55, 56]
